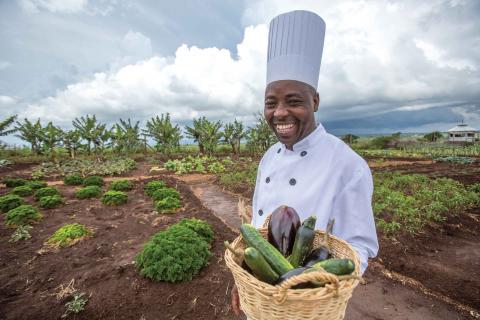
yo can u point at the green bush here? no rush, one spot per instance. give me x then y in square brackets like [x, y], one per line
[121, 185]
[161, 194]
[14, 182]
[88, 192]
[22, 191]
[114, 198]
[167, 205]
[176, 254]
[152, 186]
[73, 180]
[45, 192]
[10, 201]
[49, 202]
[93, 181]
[202, 228]
[21, 233]
[65, 235]
[22, 215]
[36, 184]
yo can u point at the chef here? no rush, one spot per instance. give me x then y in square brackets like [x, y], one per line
[309, 169]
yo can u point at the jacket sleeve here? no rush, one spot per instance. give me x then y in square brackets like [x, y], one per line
[353, 214]
[256, 193]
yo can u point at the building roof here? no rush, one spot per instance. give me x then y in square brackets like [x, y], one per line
[462, 127]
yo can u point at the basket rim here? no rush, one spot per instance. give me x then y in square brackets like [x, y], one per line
[319, 293]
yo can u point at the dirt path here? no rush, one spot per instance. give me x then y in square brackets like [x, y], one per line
[381, 298]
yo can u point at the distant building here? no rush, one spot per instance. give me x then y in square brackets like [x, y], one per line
[462, 133]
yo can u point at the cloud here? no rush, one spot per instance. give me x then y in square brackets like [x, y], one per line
[55, 6]
[4, 64]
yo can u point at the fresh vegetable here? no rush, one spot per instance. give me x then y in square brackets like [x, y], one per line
[259, 266]
[254, 239]
[336, 266]
[303, 242]
[323, 251]
[282, 228]
[292, 273]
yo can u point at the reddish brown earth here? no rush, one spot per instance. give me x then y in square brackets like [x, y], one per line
[102, 265]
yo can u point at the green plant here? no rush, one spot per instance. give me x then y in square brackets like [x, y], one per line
[73, 180]
[152, 186]
[163, 193]
[68, 234]
[49, 202]
[10, 201]
[88, 192]
[76, 305]
[167, 205]
[14, 182]
[47, 191]
[216, 167]
[22, 215]
[23, 191]
[93, 181]
[36, 184]
[21, 233]
[176, 254]
[114, 198]
[121, 185]
[199, 226]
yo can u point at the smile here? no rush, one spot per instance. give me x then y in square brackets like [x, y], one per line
[284, 128]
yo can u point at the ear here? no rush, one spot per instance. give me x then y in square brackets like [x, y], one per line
[316, 102]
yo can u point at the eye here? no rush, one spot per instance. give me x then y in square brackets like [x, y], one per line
[295, 102]
[269, 104]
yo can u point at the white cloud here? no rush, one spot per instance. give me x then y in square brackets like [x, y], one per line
[55, 6]
[7, 101]
[4, 65]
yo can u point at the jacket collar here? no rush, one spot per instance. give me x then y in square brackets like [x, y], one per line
[309, 140]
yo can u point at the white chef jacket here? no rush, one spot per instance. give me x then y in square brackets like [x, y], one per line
[322, 176]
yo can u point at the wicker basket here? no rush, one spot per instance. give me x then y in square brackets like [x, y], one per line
[262, 301]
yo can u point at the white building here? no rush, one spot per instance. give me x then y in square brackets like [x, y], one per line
[462, 133]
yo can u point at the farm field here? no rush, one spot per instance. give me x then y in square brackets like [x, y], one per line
[429, 274]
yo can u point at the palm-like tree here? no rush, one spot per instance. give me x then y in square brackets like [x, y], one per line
[72, 142]
[233, 133]
[4, 131]
[206, 133]
[166, 136]
[126, 136]
[92, 132]
[260, 137]
[30, 132]
[50, 137]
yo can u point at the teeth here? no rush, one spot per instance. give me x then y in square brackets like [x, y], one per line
[284, 127]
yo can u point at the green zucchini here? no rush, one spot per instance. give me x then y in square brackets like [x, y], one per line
[259, 266]
[303, 242]
[254, 239]
[338, 267]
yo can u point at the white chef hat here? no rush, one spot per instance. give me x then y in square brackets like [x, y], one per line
[295, 46]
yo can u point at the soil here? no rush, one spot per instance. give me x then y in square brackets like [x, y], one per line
[102, 265]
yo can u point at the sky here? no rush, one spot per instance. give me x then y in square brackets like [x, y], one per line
[387, 66]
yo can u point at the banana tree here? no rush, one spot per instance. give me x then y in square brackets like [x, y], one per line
[126, 136]
[166, 136]
[50, 137]
[4, 124]
[30, 132]
[72, 142]
[233, 133]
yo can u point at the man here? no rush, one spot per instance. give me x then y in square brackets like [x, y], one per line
[308, 169]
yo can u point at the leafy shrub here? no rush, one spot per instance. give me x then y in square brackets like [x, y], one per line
[22, 191]
[216, 167]
[22, 215]
[14, 182]
[199, 226]
[88, 192]
[76, 305]
[176, 254]
[66, 235]
[114, 198]
[164, 193]
[475, 187]
[167, 205]
[73, 180]
[45, 192]
[152, 186]
[49, 202]
[93, 181]
[36, 184]
[9, 202]
[121, 185]
[21, 233]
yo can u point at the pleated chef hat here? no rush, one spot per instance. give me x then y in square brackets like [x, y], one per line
[295, 46]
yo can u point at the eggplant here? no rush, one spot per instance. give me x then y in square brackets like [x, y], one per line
[282, 229]
[323, 252]
[292, 273]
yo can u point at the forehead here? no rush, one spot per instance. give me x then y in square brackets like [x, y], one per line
[288, 87]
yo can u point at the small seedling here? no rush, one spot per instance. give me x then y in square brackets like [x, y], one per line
[21, 233]
[76, 305]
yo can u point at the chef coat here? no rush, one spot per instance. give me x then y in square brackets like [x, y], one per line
[321, 176]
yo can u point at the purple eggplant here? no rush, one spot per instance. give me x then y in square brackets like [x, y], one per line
[282, 229]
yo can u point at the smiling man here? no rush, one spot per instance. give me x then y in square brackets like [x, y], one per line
[309, 169]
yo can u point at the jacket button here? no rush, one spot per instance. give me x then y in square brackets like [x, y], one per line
[292, 182]
[303, 153]
[260, 212]
[267, 180]
[279, 150]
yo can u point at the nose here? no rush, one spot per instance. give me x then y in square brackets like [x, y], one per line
[280, 111]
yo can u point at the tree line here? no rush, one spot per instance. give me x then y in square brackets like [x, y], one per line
[91, 136]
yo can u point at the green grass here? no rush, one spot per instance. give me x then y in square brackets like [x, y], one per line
[67, 234]
[114, 198]
[22, 215]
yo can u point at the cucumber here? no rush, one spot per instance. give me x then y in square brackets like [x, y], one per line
[338, 267]
[259, 266]
[254, 239]
[303, 242]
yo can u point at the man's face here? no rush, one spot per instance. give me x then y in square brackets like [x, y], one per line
[289, 110]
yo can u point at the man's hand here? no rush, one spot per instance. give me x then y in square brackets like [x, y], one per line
[235, 301]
